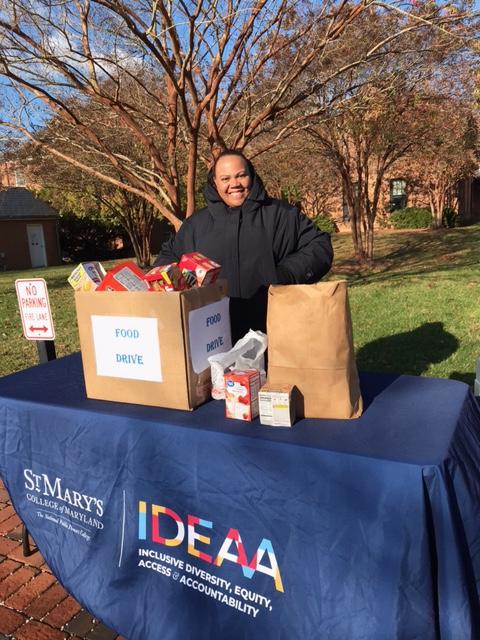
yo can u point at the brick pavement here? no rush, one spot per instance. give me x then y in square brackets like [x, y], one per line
[33, 605]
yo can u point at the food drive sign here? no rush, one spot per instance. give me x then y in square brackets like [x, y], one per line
[127, 347]
[209, 332]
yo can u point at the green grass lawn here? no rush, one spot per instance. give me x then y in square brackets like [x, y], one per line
[417, 311]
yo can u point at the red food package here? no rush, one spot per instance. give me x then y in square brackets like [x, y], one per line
[190, 277]
[168, 274]
[124, 277]
[157, 285]
[205, 270]
[241, 394]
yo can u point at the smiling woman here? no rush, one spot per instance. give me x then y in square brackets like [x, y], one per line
[257, 240]
[232, 178]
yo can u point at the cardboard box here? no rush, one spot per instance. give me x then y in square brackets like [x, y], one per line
[277, 405]
[87, 276]
[145, 348]
[241, 394]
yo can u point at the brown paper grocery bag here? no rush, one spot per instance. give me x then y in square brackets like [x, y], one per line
[310, 345]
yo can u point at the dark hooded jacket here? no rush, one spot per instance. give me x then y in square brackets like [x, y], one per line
[263, 242]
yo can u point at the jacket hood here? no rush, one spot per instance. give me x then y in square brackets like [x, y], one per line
[256, 196]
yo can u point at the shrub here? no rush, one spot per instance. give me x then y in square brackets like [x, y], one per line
[291, 193]
[411, 218]
[325, 223]
[91, 238]
[450, 218]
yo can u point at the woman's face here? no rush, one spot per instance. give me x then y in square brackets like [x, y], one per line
[232, 180]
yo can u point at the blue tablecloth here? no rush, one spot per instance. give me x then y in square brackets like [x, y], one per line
[168, 524]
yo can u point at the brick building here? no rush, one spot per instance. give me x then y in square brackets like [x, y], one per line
[28, 227]
[398, 191]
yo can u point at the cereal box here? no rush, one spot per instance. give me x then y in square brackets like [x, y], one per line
[124, 277]
[205, 270]
[87, 276]
[241, 393]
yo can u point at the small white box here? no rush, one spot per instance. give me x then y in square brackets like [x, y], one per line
[276, 405]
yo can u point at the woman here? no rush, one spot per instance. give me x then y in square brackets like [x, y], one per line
[257, 240]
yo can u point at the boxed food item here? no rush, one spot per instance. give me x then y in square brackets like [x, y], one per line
[167, 277]
[152, 349]
[124, 277]
[277, 405]
[190, 277]
[87, 276]
[205, 270]
[157, 285]
[241, 393]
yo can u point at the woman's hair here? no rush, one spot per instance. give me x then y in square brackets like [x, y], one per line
[233, 152]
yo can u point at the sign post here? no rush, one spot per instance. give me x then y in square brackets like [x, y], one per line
[37, 322]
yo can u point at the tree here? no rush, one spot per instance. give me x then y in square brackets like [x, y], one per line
[383, 120]
[176, 80]
[446, 151]
[88, 196]
[165, 72]
[296, 172]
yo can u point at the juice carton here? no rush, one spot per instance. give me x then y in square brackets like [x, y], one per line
[169, 275]
[241, 393]
[205, 270]
[124, 277]
[87, 276]
[276, 405]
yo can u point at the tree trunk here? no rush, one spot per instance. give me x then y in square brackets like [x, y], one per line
[358, 235]
[137, 217]
[355, 225]
[437, 198]
[192, 172]
[140, 238]
[369, 244]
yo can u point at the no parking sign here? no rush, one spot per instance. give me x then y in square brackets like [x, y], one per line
[37, 322]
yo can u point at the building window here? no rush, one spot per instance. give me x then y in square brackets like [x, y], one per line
[398, 194]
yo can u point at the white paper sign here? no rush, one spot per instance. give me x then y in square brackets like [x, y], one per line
[209, 333]
[127, 347]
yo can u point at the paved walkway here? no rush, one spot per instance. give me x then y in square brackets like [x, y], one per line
[33, 605]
